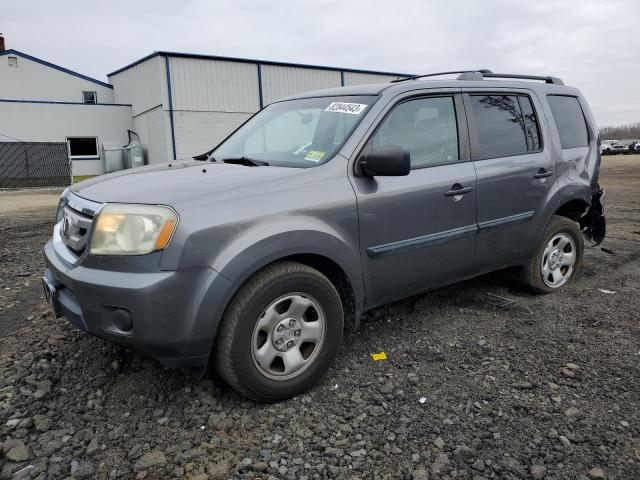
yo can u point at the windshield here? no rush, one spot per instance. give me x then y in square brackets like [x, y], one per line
[296, 133]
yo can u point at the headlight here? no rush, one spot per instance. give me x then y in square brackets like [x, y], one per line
[64, 200]
[123, 229]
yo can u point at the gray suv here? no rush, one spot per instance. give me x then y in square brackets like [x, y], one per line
[321, 207]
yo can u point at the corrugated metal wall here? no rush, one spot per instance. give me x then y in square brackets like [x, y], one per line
[353, 78]
[279, 82]
[153, 128]
[198, 132]
[214, 86]
[145, 87]
[210, 97]
[141, 85]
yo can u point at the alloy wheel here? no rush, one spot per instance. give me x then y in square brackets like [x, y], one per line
[558, 260]
[288, 336]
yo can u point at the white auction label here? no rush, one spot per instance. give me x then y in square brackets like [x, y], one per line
[343, 107]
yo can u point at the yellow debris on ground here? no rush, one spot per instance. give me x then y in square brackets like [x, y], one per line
[378, 356]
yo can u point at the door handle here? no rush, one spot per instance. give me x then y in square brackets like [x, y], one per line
[458, 189]
[542, 173]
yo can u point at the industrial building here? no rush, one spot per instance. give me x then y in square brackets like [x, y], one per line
[43, 102]
[184, 104]
[180, 105]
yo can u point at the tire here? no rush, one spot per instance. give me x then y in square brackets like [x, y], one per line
[541, 265]
[261, 321]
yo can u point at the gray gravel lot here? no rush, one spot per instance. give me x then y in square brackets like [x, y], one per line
[546, 387]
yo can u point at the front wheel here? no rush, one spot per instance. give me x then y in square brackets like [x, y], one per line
[280, 332]
[557, 259]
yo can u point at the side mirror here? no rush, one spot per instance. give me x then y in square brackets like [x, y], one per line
[386, 162]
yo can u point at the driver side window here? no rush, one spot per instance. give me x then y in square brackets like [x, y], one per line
[426, 127]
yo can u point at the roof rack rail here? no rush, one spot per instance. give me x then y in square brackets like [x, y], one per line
[414, 77]
[479, 75]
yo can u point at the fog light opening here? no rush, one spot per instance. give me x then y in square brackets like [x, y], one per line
[122, 319]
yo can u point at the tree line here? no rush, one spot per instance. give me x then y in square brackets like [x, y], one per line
[623, 132]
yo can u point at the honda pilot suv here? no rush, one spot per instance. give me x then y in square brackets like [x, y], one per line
[320, 207]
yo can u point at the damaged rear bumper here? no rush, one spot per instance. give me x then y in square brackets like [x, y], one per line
[593, 223]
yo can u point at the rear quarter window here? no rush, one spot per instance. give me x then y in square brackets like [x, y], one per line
[570, 122]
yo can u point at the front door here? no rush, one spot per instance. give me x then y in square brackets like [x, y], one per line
[515, 174]
[418, 231]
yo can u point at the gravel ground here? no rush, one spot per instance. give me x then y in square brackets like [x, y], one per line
[545, 387]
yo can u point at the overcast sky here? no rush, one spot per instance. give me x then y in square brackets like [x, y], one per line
[593, 45]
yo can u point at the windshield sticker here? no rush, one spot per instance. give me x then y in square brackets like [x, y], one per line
[342, 107]
[314, 155]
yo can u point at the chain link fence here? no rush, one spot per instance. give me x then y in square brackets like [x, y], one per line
[34, 164]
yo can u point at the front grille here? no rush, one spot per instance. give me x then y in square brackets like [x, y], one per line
[74, 228]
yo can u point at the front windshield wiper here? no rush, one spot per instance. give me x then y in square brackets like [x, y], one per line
[248, 161]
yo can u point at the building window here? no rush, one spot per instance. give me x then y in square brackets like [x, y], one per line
[13, 61]
[83, 147]
[89, 97]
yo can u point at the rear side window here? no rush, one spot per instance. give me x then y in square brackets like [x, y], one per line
[505, 125]
[570, 122]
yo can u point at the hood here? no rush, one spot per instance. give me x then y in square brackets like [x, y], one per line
[176, 182]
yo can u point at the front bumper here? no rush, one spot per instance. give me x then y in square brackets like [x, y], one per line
[171, 313]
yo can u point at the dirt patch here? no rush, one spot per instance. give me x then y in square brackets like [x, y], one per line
[546, 386]
[12, 202]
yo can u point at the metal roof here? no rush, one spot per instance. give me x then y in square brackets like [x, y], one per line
[54, 66]
[250, 60]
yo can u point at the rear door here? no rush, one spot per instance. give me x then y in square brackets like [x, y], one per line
[418, 231]
[514, 174]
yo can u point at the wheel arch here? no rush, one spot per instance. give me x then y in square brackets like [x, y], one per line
[322, 251]
[572, 209]
[584, 206]
[570, 201]
[340, 280]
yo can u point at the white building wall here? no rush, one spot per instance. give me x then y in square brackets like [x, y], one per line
[199, 132]
[39, 122]
[210, 98]
[214, 86]
[31, 80]
[154, 132]
[141, 85]
[144, 87]
[352, 78]
[279, 82]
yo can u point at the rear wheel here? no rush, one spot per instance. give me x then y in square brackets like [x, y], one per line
[557, 259]
[280, 332]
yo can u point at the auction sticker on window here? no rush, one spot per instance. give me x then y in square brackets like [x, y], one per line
[344, 107]
[314, 155]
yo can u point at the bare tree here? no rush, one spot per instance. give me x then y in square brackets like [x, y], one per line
[623, 132]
